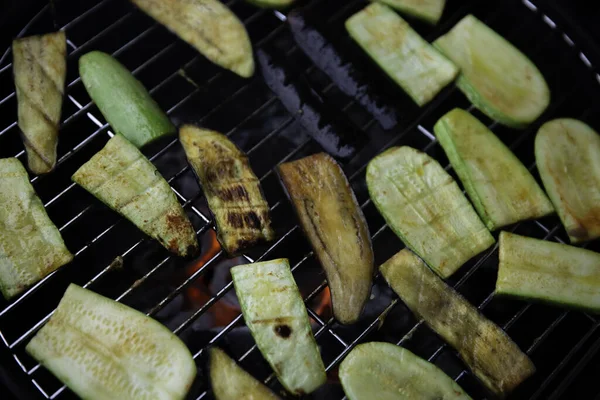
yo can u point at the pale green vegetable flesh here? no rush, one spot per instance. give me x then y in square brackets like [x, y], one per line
[419, 69]
[210, 27]
[495, 76]
[30, 245]
[122, 178]
[423, 205]
[428, 10]
[123, 100]
[500, 187]
[276, 316]
[104, 350]
[556, 273]
[384, 371]
[230, 382]
[277, 4]
[485, 348]
[567, 153]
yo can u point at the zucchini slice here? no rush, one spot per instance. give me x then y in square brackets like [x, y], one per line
[427, 10]
[102, 349]
[567, 153]
[40, 67]
[336, 227]
[501, 188]
[425, 207]
[123, 100]
[232, 190]
[30, 245]
[495, 76]
[276, 4]
[210, 27]
[560, 274]
[419, 69]
[380, 370]
[485, 348]
[276, 316]
[122, 178]
[230, 382]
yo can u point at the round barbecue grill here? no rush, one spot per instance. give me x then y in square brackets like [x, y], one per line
[194, 298]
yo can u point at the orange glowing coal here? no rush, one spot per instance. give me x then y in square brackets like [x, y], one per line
[323, 307]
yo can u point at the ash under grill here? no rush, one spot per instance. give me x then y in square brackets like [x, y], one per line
[195, 298]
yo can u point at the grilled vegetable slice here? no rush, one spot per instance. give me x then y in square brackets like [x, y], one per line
[488, 351]
[336, 227]
[379, 370]
[275, 314]
[102, 349]
[405, 56]
[501, 188]
[495, 76]
[567, 153]
[123, 100]
[427, 10]
[40, 68]
[232, 190]
[277, 4]
[426, 209]
[209, 26]
[30, 245]
[230, 382]
[122, 178]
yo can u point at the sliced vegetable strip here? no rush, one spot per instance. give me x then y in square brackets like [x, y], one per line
[427, 10]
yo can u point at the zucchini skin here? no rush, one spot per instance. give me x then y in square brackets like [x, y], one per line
[231, 188]
[336, 228]
[484, 347]
[429, 11]
[275, 4]
[31, 246]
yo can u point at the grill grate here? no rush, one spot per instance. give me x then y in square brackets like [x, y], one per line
[562, 344]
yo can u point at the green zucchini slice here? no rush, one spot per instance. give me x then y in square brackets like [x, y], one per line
[418, 68]
[485, 348]
[556, 273]
[40, 67]
[427, 10]
[336, 227]
[501, 188]
[123, 100]
[30, 245]
[210, 27]
[276, 316]
[384, 371]
[276, 4]
[495, 76]
[122, 178]
[425, 207]
[567, 153]
[105, 350]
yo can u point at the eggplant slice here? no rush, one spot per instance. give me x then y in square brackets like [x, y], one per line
[425, 207]
[122, 178]
[40, 67]
[105, 350]
[567, 153]
[30, 245]
[429, 11]
[484, 347]
[336, 227]
[232, 190]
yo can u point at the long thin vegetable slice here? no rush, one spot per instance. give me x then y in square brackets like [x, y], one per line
[230, 382]
[104, 350]
[426, 209]
[210, 27]
[277, 4]
[501, 188]
[123, 100]
[336, 227]
[567, 153]
[556, 273]
[122, 178]
[232, 190]
[488, 351]
[428, 10]
[40, 67]
[496, 77]
[384, 371]
[30, 245]
[405, 56]
[276, 316]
